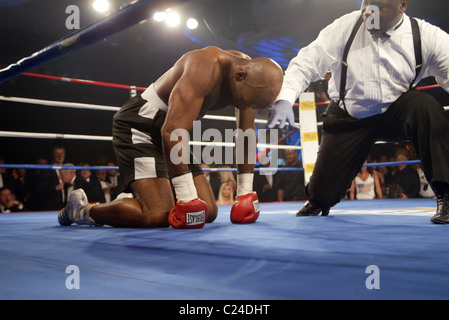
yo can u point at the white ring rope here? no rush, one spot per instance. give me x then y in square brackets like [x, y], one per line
[63, 104]
[232, 145]
[75, 105]
[35, 135]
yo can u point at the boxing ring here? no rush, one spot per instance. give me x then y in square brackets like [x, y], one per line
[280, 257]
[369, 250]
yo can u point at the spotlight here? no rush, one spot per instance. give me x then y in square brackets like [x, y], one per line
[101, 5]
[160, 16]
[173, 19]
[192, 24]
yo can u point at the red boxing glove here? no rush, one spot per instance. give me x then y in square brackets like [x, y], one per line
[245, 209]
[188, 215]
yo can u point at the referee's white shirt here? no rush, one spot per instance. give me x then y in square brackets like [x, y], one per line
[381, 67]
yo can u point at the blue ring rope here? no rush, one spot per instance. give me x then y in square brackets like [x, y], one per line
[59, 167]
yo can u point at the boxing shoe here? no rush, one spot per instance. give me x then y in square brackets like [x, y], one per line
[75, 210]
[189, 215]
[245, 209]
[442, 215]
[309, 210]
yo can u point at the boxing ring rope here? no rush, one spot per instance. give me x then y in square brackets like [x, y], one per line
[86, 106]
[82, 81]
[128, 87]
[35, 135]
[93, 168]
[64, 104]
[70, 167]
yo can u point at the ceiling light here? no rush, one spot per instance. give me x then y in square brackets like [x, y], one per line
[192, 24]
[173, 19]
[101, 5]
[160, 16]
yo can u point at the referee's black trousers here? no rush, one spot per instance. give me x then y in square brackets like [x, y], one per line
[346, 143]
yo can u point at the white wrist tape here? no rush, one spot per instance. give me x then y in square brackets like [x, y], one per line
[184, 188]
[244, 183]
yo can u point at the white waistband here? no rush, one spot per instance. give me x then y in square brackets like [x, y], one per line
[152, 97]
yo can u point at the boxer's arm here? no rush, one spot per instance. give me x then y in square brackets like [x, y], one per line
[199, 77]
[246, 205]
[184, 107]
[246, 144]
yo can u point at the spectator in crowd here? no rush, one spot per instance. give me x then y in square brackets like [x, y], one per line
[92, 186]
[225, 195]
[391, 172]
[366, 185]
[23, 186]
[406, 178]
[227, 176]
[113, 177]
[68, 177]
[213, 178]
[264, 182]
[49, 191]
[290, 184]
[105, 184]
[6, 179]
[8, 202]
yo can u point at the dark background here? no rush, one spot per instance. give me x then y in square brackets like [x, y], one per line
[139, 55]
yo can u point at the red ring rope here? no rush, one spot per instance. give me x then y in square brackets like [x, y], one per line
[122, 86]
[89, 82]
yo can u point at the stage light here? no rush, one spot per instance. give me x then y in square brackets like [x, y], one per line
[173, 19]
[101, 5]
[192, 24]
[160, 16]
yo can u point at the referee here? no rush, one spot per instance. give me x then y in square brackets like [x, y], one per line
[376, 56]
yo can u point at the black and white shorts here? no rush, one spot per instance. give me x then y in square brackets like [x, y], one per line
[137, 139]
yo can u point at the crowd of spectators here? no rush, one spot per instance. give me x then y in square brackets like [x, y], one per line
[47, 189]
[401, 181]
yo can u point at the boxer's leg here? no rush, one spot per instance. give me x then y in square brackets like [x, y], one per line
[152, 202]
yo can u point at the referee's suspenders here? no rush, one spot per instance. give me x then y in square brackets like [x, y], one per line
[344, 67]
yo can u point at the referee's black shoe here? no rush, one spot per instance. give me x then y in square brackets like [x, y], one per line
[442, 215]
[310, 210]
